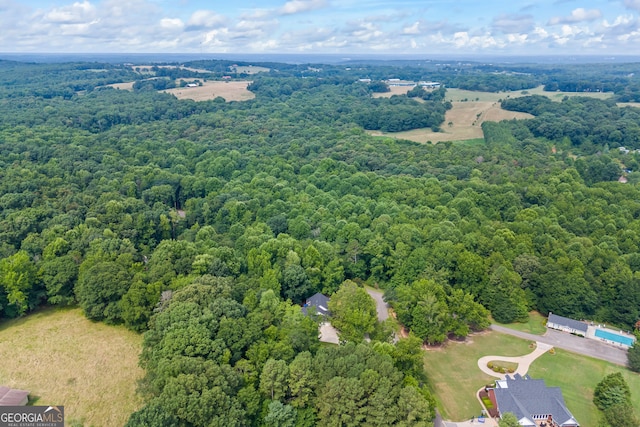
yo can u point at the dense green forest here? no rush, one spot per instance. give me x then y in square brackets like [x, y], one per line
[207, 225]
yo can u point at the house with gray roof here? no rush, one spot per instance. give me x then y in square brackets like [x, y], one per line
[567, 325]
[532, 402]
[320, 302]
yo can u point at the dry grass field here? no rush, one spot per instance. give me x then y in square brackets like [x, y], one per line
[470, 109]
[147, 69]
[394, 90]
[629, 104]
[229, 90]
[123, 86]
[465, 120]
[251, 69]
[454, 95]
[64, 359]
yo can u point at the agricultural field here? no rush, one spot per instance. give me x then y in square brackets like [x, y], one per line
[122, 86]
[470, 110]
[393, 90]
[629, 104]
[229, 90]
[461, 95]
[147, 69]
[250, 69]
[63, 358]
[462, 122]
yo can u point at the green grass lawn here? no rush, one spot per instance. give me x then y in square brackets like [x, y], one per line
[454, 375]
[534, 325]
[577, 376]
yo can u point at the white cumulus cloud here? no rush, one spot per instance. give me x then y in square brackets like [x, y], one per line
[577, 15]
[412, 29]
[298, 6]
[201, 19]
[77, 12]
[172, 23]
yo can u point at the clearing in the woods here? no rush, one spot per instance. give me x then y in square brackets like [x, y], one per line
[62, 358]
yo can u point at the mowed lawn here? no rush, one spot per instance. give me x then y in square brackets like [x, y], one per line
[64, 359]
[454, 375]
[578, 376]
[453, 371]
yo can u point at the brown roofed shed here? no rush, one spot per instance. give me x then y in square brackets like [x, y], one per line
[13, 397]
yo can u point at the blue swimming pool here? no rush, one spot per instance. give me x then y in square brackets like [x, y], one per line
[614, 337]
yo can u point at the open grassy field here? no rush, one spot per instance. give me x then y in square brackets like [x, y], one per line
[470, 110]
[251, 69]
[577, 376]
[64, 359]
[462, 122]
[629, 104]
[229, 90]
[535, 325]
[460, 95]
[393, 90]
[122, 86]
[454, 375]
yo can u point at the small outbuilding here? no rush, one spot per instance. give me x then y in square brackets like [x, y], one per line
[13, 397]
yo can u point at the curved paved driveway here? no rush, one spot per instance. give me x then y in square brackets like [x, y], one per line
[523, 361]
[575, 344]
[381, 307]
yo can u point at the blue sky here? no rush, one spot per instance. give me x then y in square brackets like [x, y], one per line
[531, 27]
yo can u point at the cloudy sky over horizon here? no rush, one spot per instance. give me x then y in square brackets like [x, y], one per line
[534, 27]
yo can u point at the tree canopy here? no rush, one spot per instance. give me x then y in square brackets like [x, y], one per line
[206, 224]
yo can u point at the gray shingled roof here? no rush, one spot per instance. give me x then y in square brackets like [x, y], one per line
[574, 324]
[320, 302]
[525, 397]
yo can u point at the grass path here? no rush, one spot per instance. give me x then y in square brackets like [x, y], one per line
[64, 359]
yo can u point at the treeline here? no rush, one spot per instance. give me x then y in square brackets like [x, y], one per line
[95, 112]
[24, 80]
[585, 121]
[351, 102]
